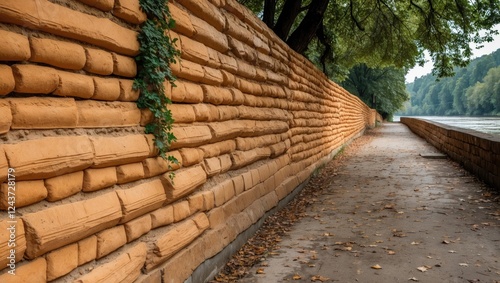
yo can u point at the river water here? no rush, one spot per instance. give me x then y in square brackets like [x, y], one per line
[490, 125]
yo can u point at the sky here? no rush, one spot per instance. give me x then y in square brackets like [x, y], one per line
[489, 47]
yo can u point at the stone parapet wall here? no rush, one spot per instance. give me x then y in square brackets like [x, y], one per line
[93, 201]
[477, 152]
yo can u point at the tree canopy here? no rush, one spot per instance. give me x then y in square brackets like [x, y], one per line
[382, 89]
[473, 90]
[339, 34]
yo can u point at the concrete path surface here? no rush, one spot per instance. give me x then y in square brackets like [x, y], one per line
[391, 215]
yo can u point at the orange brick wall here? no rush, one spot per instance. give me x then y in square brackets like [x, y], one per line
[93, 202]
[477, 152]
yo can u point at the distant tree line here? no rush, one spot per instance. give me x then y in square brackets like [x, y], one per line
[473, 90]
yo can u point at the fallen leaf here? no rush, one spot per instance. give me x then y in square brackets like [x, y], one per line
[376, 266]
[296, 277]
[413, 279]
[452, 251]
[445, 242]
[463, 264]
[391, 252]
[422, 268]
[415, 243]
[260, 271]
[319, 278]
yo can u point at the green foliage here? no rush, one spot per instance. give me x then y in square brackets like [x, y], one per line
[380, 88]
[157, 52]
[382, 33]
[474, 90]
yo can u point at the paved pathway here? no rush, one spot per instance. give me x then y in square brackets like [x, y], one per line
[390, 215]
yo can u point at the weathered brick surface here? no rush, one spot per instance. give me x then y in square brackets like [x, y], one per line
[81, 220]
[123, 268]
[110, 151]
[43, 113]
[87, 250]
[15, 47]
[6, 118]
[7, 82]
[57, 53]
[137, 227]
[26, 193]
[109, 240]
[63, 186]
[49, 157]
[32, 271]
[141, 199]
[186, 181]
[61, 261]
[74, 85]
[97, 179]
[35, 79]
[6, 227]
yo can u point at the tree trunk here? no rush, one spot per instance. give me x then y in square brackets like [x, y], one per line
[269, 12]
[305, 32]
[287, 17]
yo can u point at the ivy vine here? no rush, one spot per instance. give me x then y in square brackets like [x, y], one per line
[156, 53]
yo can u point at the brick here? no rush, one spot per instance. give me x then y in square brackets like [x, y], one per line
[181, 210]
[207, 11]
[130, 11]
[152, 277]
[110, 240]
[26, 192]
[4, 242]
[191, 156]
[141, 199]
[183, 23]
[63, 21]
[126, 267]
[243, 158]
[176, 238]
[63, 186]
[137, 227]
[129, 172]
[7, 82]
[87, 250]
[225, 162]
[107, 114]
[208, 200]
[208, 35]
[238, 184]
[191, 136]
[193, 50]
[181, 266]
[106, 89]
[61, 261]
[154, 166]
[217, 217]
[127, 93]
[57, 53]
[49, 157]
[215, 95]
[205, 112]
[111, 151]
[212, 166]
[189, 70]
[15, 47]
[182, 113]
[196, 203]
[214, 77]
[43, 113]
[82, 219]
[6, 118]
[97, 179]
[162, 216]
[33, 272]
[98, 61]
[35, 79]
[219, 195]
[187, 92]
[74, 85]
[104, 5]
[185, 181]
[4, 165]
[124, 66]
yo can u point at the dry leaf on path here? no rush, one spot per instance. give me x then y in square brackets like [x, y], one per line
[319, 278]
[260, 271]
[376, 266]
[422, 268]
[413, 279]
[463, 264]
[391, 252]
[296, 277]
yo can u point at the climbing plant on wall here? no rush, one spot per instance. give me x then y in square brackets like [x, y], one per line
[157, 52]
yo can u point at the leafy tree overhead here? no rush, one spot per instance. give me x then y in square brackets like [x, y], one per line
[339, 34]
